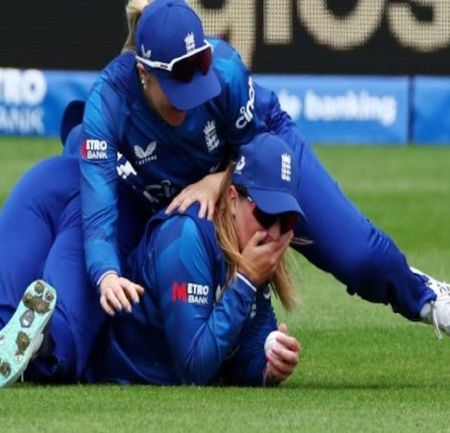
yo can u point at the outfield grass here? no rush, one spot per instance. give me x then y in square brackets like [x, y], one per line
[363, 368]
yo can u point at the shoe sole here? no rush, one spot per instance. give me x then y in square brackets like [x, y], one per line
[21, 335]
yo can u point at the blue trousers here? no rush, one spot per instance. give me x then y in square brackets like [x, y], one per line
[349, 246]
[41, 237]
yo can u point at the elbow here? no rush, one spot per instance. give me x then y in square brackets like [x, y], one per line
[197, 375]
[199, 370]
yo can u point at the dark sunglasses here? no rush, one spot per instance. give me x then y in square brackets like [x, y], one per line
[287, 220]
[183, 68]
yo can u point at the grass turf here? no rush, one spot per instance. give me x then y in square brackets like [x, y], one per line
[363, 368]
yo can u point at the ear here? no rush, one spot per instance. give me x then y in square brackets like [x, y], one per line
[143, 75]
[141, 70]
[232, 196]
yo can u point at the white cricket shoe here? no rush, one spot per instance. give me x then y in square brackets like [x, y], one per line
[437, 313]
[23, 335]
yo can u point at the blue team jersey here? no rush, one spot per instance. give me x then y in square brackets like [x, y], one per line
[188, 327]
[165, 158]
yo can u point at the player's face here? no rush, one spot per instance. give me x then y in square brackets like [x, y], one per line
[158, 100]
[246, 222]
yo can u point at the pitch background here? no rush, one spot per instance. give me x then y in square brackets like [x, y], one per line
[381, 37]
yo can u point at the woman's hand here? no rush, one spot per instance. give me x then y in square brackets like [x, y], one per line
[281, 363]
[205, 191]
[262, 258]
[117, 292]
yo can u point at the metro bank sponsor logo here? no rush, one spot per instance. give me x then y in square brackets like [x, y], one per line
[21, 94]
[94, 149]
[190, 292]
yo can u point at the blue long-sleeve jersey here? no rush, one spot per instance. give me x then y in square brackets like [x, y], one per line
[166, 159]
[189, 327]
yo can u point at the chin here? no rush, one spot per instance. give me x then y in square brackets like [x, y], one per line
[176, 117]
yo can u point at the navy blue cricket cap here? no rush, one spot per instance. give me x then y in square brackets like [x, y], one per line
[266, 167]
[166, 31]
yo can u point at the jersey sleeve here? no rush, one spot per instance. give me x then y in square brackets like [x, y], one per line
[248, 108]
[200, 332]
[247, 365]
[237, 99]
[99, 180]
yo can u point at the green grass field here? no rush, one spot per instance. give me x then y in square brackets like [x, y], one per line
[363, 368]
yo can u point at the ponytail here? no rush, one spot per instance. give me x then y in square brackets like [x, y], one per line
[133, 11]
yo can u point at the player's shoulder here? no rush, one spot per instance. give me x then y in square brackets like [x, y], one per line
[188, 223]
[227, 61]
[186, 228]
[118, 82]
[121, 66]
[120, 74]
[222, 49]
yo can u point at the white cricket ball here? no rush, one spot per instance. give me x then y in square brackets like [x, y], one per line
[271, 342]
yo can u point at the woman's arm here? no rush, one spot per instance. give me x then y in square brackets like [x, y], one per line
[98, 164]
[183, 269]
[247, 365]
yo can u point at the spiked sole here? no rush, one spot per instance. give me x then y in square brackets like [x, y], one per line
[22, 335]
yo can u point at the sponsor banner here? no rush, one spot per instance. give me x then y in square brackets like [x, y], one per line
[345, 109]
[327, 109]
[430, 107]
[32, 101]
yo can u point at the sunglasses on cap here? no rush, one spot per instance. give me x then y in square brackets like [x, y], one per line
[287, 220]
[183, 68]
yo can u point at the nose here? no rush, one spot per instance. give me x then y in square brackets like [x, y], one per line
[274, 230]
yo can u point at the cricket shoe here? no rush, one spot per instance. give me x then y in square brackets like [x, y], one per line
[23, 335]
[437, 312]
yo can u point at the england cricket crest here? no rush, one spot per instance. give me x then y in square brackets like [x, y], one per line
[189, 40]
[212, 141]
[286, 167]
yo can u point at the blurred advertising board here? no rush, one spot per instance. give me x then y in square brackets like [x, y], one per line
[430, 110]
[327, 109]
[32, 101]
[345, 109]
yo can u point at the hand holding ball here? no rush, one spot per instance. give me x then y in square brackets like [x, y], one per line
[271, 342]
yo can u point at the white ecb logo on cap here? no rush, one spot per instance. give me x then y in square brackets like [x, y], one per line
[286, 167]
[189, 40]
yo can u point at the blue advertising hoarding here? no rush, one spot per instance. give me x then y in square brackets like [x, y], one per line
[32, 101]
[430, 110]
[345, 109]
[327, 109]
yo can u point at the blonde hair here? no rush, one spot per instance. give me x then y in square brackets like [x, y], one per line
[133, 11]
[226, 235]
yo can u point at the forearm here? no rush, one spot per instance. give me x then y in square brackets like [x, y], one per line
[247, 365]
